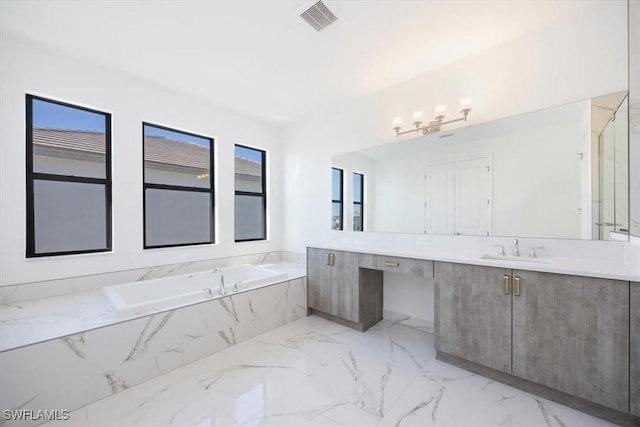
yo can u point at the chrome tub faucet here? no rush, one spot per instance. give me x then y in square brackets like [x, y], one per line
[222, 289]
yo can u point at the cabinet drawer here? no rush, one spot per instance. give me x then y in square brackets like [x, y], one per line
[414, 267]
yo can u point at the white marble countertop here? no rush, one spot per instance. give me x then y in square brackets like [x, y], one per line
[571, 266]
[34, 321]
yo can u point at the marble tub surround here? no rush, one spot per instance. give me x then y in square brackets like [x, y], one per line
[15, 293]
[316, 372]
[75, 370]
[27, 322]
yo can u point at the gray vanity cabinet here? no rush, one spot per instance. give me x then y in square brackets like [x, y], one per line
[568, 333]
[571, 333]
[319, 280]
[634, 377]
[473, 313]
[332, 283]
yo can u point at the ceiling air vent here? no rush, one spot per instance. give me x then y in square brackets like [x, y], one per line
[318, 16]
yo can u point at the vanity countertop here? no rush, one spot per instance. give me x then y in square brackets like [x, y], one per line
[559, 265]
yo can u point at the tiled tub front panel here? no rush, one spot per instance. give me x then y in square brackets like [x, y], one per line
[72, 371]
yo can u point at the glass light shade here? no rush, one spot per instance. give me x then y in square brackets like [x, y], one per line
[417, 116]
[441, 110]
[465, 103]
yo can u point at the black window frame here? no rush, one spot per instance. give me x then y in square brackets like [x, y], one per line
[171, 187]
[360, 203]
[32, 176]
[341, 201]
[262, 194]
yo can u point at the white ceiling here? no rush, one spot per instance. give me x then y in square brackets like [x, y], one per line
[260, 58]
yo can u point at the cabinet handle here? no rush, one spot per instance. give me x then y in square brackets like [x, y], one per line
[333, 259]
[516, 286]
[505, 284]
[328, 258]
[392, 264]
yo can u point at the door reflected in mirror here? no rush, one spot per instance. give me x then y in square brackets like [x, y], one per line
[560, 172]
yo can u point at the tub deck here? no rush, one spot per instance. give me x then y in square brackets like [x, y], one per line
[29, 322]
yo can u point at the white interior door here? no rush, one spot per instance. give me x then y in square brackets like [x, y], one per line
[473, 197]
[440, 183]
[458, 198]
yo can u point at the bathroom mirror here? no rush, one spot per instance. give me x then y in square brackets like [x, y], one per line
[560, 172]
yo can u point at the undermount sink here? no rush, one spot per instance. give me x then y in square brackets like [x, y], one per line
[523, 259]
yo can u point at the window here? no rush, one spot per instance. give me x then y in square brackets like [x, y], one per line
[178, 188]
[68, 179]
[251, 194]
[336, 199]
[358, 202]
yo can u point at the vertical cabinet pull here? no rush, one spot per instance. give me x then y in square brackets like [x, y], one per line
[516, 286]
[331, 259]
[505, 284]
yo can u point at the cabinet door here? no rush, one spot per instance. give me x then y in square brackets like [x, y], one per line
[318, 280]
[473, 314]
[344, 281]
[571, 333]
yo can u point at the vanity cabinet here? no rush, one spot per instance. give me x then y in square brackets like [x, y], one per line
[473, 314]
[332, 283]
[565, 332]
[634, 377]
[571, 333]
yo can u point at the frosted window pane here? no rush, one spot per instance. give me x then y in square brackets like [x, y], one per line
[176, 158]
[357, 217]
[68, 140]
[177, 217]
[336, 217]
[249, 218]
[69, 216]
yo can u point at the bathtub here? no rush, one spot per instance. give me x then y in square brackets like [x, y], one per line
[176, 291]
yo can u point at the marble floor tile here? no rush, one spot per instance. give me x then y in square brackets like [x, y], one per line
[313, 372]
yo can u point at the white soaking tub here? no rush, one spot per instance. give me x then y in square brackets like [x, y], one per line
[176, 291]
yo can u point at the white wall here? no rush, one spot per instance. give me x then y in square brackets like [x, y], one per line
[25, 68]
[557, 65]
[409, 295]
[560, 64]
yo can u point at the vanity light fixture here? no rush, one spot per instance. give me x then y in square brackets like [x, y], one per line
[437, 122]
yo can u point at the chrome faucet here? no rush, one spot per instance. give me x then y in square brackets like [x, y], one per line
[516, 248]
[532, 252]
[222, 289]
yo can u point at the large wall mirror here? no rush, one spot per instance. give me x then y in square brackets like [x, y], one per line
[561, 172]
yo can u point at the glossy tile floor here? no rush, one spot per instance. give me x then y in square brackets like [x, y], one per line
[317, 373]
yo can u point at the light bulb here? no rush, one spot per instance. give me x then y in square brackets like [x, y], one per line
[417, 116]
[465, 103]
[440, 110]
